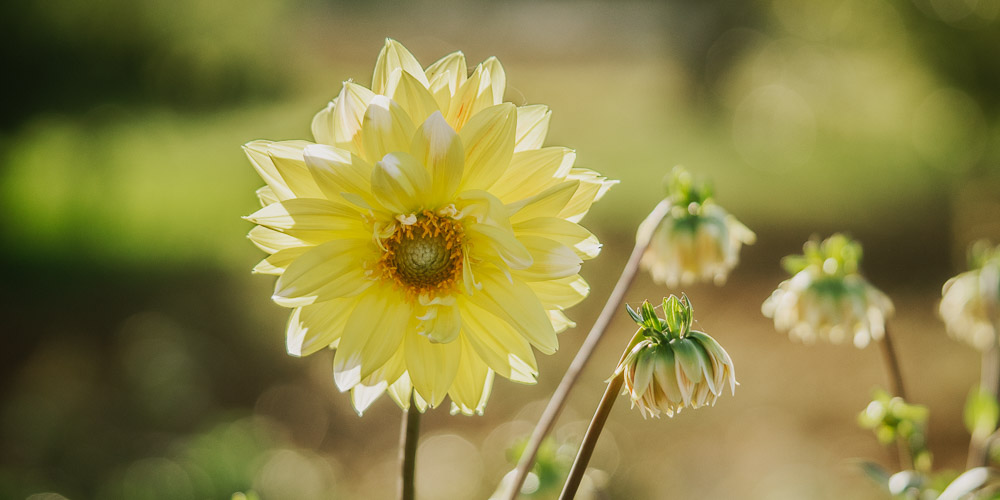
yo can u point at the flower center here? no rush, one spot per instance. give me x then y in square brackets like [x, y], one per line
[425, 256]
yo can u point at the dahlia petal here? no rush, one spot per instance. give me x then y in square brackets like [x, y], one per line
[665, 374]
[561, 293]
[348, 116]
[532, 126]
[266, 196]
[362, 396]
[278, 261]
[437, 146]
[412, 96]
[445, 77]
[592, 188]
[322, 124]
[401, 390]
[550, 260]
[272, 241]
[560, 322]
[444, 326]
[325, 272]
[313, 328]
[392, 57]
[690, 358]
[308, 214]
[400, 183]
[256, 151]
[463, 102]
[503, 242]
[544, 204]
[470, 382]
[390, 370]
[337, 171]
[498, 344]
[432, 367]
[533, 171]
[512, 301]
[372, 335]
[571, 234]
[488, 138]
[386, 128]
[497, 78]
[643, 372]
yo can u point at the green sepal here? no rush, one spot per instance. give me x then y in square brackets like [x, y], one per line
[649, 319]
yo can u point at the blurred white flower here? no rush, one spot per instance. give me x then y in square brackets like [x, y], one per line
[970, 302]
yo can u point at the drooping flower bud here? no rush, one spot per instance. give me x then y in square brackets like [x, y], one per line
[696, 241]
[670, 366]
[970, 302]
[826, 298]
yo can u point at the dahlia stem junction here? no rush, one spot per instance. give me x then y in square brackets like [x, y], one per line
[590, 439]
[409, 435]
[558, 401]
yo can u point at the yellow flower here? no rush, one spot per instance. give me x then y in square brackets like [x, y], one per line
[670, 366]
[427, 235]
[826, 298]
[970, 302]
[696, 240]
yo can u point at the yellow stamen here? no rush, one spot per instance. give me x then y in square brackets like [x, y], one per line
[424, 257]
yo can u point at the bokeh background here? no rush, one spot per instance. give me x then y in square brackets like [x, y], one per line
[142, 360]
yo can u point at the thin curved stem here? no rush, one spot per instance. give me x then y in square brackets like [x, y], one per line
[989, 382]
[558, 400]
[590, 439]
[408, 437]
[892, 365]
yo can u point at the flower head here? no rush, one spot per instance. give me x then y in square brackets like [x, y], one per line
[426, 235]
[669, 366]
[970, 302]
[696, 240]
[826, 298]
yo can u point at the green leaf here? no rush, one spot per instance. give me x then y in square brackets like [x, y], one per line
[981, 413]
[875, 472]
[649, 318]
[635, 315]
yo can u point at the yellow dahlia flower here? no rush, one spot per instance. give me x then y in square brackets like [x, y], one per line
[826, 297]
[427, 235]
[696, 240]
[669, 366]
[970, 302]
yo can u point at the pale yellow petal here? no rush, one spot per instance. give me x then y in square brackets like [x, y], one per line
[256, 151]
[437, 146]
[592, 188]
[571, 234]
[337, 172]
[278, 261]
[561, 293]
[515, 303]
[533, 171]
[362, 396]
[412, 96]
[560, 322]
[373, 333]
[493, 70]
[272, 241]
[392, 57]
[464, 100]
[322, 125]
[390, 370]
[443, 325]
[532, 126]
[432, 367]
[386, 129]
[400, 183]
[545, 204]
[316, 327]
[492, 240]
[311, 219]
[266, 196]
[325, 272]
[488, 139]
[348, 115]
[467, 391]
[551, 260]
[498, 343]
[401, 390]
[445, 77]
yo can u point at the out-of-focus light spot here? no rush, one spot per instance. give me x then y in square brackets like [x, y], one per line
[46, 496]
[948, 130]
[809, 20]
[965, 13]
[156, 479]
[302, 412]
[293, 475]
[774, 128]
[449, 467]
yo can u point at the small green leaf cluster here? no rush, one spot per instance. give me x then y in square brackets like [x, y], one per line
[837, 256]
[676, 324]
[685, 194]
[892, 418]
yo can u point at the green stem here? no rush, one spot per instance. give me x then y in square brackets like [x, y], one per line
[989, 381]
[590, 439]
[892, 365]
[408, 437]
[547, 421]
